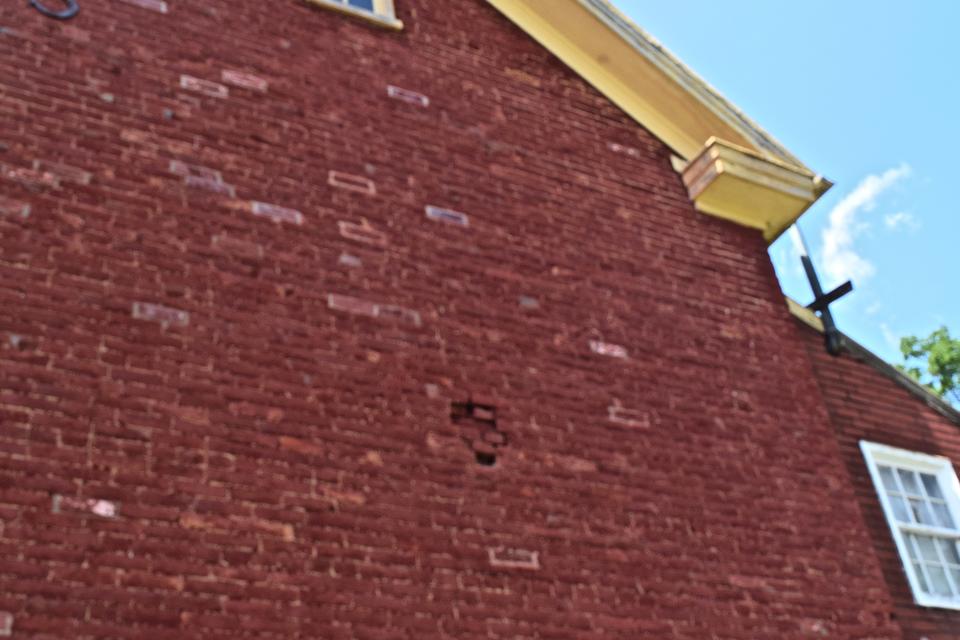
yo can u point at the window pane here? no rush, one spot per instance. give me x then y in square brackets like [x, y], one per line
[928, 549]
[900, 511]
[361, 4]
[909, 480]
[949, 550]
[938, 579]
[921, 512]
[932, 486]
[889, 482]
[942, 514]
[923, 581]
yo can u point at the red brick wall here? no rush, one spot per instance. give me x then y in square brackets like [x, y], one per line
[865, 404]
[227, 382]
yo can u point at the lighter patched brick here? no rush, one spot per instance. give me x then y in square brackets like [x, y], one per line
[352, 305]
[101, 508]
[628, 417]
[362, 307]
[513, 558]
[362, 233]
[159, 313]
[244, 80]
[410, 97]
[64, 172]
[350, 260]
[448, 216]
[153, 5]
[210, 184]
[6, 624]
[276, 212]
[14, 208]
[608, 349]
[206, 87]
[400, 314]
[30, 178]
[352, 182]
[627, 151]
[187, 170]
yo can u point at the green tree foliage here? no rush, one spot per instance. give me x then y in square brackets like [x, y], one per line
[935, 362]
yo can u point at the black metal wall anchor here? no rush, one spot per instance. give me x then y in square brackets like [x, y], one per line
[70, 9]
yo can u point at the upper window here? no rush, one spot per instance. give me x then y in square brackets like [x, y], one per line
[380, 11]
[920, 495]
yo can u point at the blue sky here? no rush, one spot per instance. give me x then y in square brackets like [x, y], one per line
[866, 92]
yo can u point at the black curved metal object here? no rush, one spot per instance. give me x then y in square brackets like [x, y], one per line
[70, 9]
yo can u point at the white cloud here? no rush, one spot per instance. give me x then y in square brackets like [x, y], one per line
[840, 258]
[894, 221]
[889, 337]
[873, 309]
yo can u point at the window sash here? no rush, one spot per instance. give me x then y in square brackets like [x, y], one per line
[921, 574]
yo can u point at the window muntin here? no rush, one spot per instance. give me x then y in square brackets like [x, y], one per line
[920, 495]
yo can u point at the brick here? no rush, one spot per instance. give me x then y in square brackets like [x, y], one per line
[14, 208]
[301, 446]
[351, 182]
[625, 150]
[206, 87]
[628, 417]
[186, 170]
[64, 172]
[244, 80]
[237, 247]
[503, 558]
[448, 216]
[410, 97]
[350, 260]
[30, 178]
[353, 305]
[528, 302]
[67, 504]
[158, 313]
[153, 5]
[399, 314]
[362, 307]
[210, 184]
[6, 624]
[276, 213]
[362, 233]
[608, 349]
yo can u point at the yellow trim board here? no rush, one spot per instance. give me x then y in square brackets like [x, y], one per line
[803, 314]
[738, 184]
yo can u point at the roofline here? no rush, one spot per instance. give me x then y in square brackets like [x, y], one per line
[673, 67]
[732, 168]
[857, 350]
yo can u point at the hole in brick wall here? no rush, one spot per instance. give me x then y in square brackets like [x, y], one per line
[486, 459]
[478, 430]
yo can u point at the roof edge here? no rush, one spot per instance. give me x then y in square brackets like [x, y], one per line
[857, 350]
[689, 80]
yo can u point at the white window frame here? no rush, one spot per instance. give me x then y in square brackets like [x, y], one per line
[383, 11]
[877, 455]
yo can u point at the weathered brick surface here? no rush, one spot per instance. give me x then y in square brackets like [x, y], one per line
[287, 469]
[864, 404]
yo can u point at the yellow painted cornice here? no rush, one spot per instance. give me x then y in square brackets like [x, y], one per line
[739, 184]
[758, 182]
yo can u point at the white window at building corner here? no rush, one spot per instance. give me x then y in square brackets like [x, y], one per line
[382, 8]
[920, 495]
